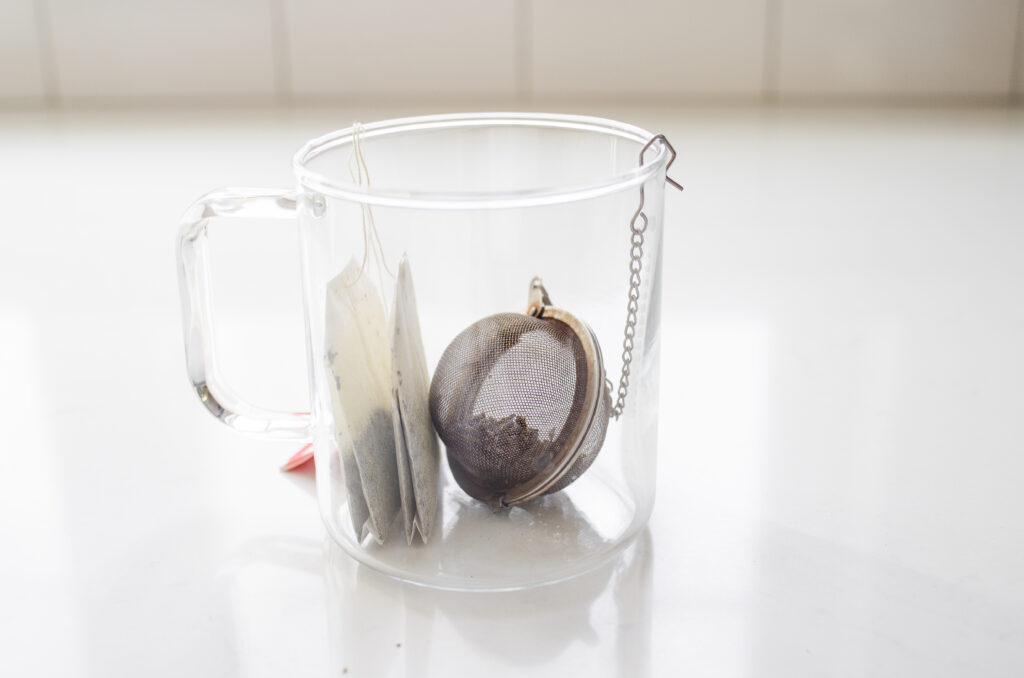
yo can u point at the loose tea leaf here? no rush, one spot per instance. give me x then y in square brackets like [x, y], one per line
[506, 448]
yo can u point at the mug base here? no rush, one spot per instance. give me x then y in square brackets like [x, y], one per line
[475, 548]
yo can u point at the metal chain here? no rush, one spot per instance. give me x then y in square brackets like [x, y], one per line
[638, 230]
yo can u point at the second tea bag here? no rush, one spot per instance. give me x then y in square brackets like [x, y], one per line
[416, 445]
[359, 370]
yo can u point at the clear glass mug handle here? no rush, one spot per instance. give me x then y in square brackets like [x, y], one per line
[194, 282]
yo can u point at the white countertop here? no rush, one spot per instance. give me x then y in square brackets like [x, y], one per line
[842, 424]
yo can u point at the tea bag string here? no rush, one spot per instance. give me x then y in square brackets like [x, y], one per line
[360, 174]
[638, 230]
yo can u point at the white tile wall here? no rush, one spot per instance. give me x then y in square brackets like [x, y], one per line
[399, 48]
[534, 50]
[21, 69]
[215, 49]
[653, 48]
[904, 48]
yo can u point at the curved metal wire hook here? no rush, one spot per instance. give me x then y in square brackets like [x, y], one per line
[662, 139]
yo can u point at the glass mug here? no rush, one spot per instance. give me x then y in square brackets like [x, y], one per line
[478, 204]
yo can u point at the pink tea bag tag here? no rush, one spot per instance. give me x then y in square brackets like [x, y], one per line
[300, 458]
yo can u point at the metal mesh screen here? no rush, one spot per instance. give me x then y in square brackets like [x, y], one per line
[504, 399]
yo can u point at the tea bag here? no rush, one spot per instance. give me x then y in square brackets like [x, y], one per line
[416, 446]
[359, 367]
[389, 452]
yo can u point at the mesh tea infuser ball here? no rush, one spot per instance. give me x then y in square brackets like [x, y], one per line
[520, 400]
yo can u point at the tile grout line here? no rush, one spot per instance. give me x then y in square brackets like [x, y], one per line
[1016, 95]
[772, 50]
[280, 53]
[523, 47]
[47, 53]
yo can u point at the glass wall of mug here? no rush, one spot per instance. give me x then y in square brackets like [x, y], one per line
[477, 207]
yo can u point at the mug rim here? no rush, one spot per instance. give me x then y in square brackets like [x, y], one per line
[322, 184]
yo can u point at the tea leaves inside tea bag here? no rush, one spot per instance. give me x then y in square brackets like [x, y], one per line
[357, 508]
[359, 371]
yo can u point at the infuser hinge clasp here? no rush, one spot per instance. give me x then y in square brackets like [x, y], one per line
[538, 299]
